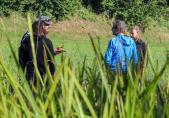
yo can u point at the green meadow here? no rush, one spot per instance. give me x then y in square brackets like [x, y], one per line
[82, 86]
[78, 45]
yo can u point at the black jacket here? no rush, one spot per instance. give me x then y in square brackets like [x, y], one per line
[141, 51]
[43, 46]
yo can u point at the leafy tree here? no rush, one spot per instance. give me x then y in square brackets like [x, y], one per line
[134, 11]
[94, 4]
[57, 8]
[65, 8]
[6, 6]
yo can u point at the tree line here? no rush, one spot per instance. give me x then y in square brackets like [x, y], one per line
[132, 11]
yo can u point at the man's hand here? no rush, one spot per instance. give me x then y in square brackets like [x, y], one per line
[59, 50]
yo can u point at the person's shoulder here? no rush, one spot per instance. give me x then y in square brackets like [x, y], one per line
[142, 41]
[25, 38]
[26, 34]
[130, 39]
[112, 40]
[47, 39]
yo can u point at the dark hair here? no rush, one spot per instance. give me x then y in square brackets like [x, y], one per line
[119, 26]
[36, 26]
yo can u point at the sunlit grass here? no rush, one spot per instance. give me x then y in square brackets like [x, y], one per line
[82, 86]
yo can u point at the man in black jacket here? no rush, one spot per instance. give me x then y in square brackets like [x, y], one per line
[43, 49]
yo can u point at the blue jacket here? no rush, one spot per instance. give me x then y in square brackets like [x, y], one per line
[120, 51]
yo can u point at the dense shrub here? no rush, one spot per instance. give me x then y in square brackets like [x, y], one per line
[64, 8]
[96, 5]
[56, 8]
[6, 6]
[132, 11]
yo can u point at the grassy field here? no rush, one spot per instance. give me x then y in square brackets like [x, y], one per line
[83, 87]
[78, 49]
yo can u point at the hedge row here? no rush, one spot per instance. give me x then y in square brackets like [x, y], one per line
[132, 11]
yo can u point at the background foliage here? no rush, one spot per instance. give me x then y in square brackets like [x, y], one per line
[133, 11]
[57, 9]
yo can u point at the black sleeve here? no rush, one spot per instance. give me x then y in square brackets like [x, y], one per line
[50, 54]
[144, 47]
[22, 55]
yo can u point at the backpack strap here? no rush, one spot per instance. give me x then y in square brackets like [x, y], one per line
[25, 36]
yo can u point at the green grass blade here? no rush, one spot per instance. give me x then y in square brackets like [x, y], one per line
[82, 93]
[105, 111]
[15, 86]
[104, 80]
[112, 110]
[4, 104]
[79, 106]
[53, 88]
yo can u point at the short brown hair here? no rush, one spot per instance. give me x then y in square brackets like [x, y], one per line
[119, 26]
[35, 26]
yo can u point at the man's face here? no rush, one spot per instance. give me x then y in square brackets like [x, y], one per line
[45, 29]
[134, 34]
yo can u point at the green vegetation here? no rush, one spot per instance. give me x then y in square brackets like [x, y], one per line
[83, 86]
[134, 12]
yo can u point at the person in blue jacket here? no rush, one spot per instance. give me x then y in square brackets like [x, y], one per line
[121, 49]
